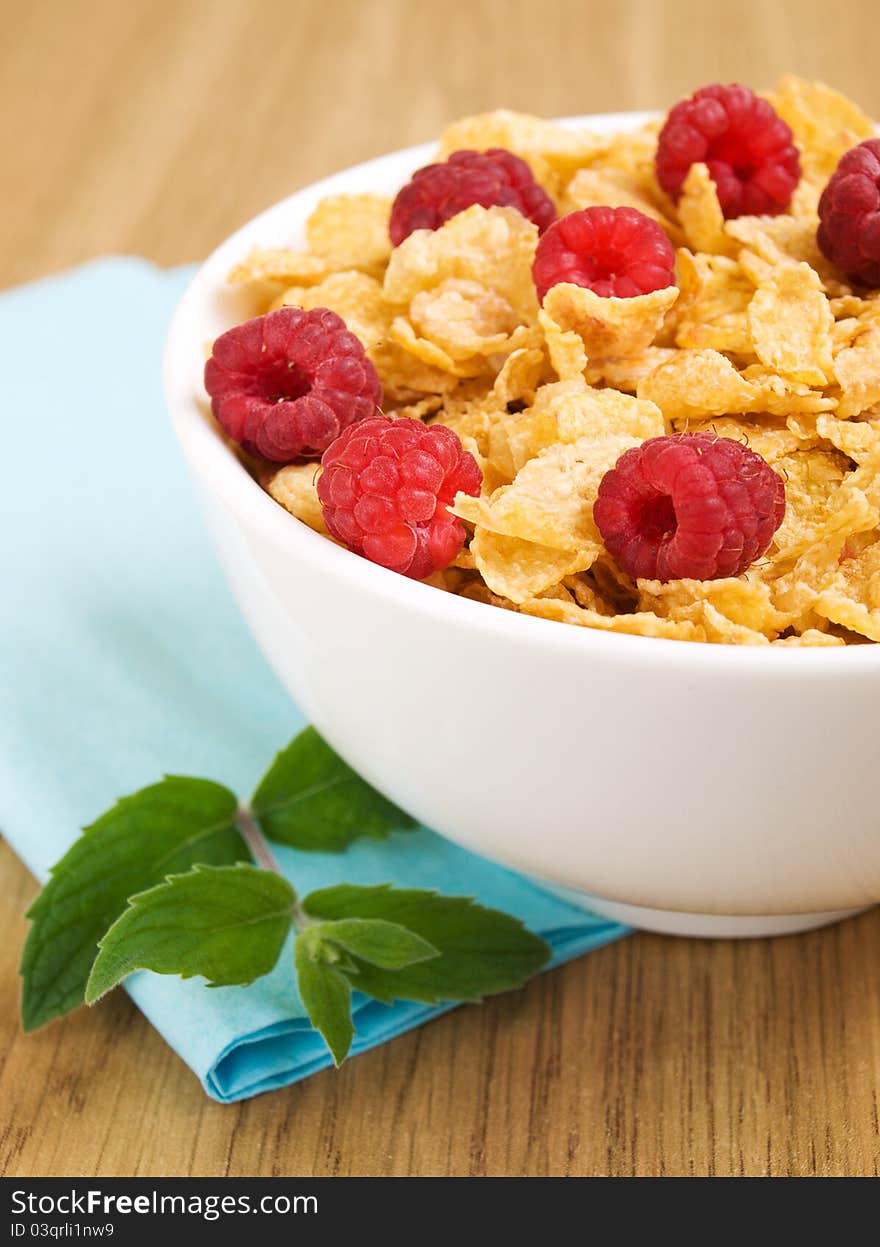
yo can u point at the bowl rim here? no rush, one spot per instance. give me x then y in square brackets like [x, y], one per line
[210, 459]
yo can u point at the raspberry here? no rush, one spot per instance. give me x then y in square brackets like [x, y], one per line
[849, 215]
[384, 488]
[688, 506]
[492, 178]
[747, 146]
[613, 251]
[284, 385]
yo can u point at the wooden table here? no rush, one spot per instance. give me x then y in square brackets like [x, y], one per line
[155, 127]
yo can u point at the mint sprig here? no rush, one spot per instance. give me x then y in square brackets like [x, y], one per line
[225, 923]
[480, 951]
[326, 995]
[158, 831]
[310, 799]
[375, 940]
[166, 881]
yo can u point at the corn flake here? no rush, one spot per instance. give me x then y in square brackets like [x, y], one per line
[712, 310]
[812, 636]
[725, 631]
[786, 240]
[404, 335]
[616, 188]
[608, 326]
[740, 602]
[565, 347]
[825, 124]
[624, 372]
[354, 296]
[768, 437]
[294, 487]
[566, 412]
[780, 396]
[697, 384]
[351, 231]
[519, 375]
[550, 501]
[857, 371]
[463, 318]
[851, 597]
[492, 246]
[700, 212]
[790, 323]
[642, 623]
[811, 479]
[554, 152]
[518, 569]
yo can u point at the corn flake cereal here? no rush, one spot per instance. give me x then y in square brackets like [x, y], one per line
[760, 340]
[282, 267]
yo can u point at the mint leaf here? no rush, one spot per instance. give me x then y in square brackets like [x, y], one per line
[158, 831]
[385, 944]
[226, 923]
[481, 951]
[327, 998]
[310, 799]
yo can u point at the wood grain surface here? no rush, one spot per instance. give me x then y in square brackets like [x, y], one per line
[157, 126]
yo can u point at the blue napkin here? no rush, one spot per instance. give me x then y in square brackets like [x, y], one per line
[123, 656]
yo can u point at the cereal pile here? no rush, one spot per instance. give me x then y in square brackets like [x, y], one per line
[699, 317]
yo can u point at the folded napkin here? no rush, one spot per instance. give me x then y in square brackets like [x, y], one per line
[123, 656]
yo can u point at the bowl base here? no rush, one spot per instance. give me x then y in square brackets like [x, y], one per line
[702, 926]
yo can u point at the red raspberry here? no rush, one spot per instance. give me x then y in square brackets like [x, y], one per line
[749, 149]
[384, 488]
[613, 251]
[849, 215]
[286, 384]
[689, 506]
[492, 178]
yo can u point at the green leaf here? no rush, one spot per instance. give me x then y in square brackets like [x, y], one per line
[226, 923]
[327, 998]
[310, 799]
[155, 832]
[481, 951]
[385, 944]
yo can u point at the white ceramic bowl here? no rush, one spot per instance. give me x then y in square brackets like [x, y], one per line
[684, 787]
